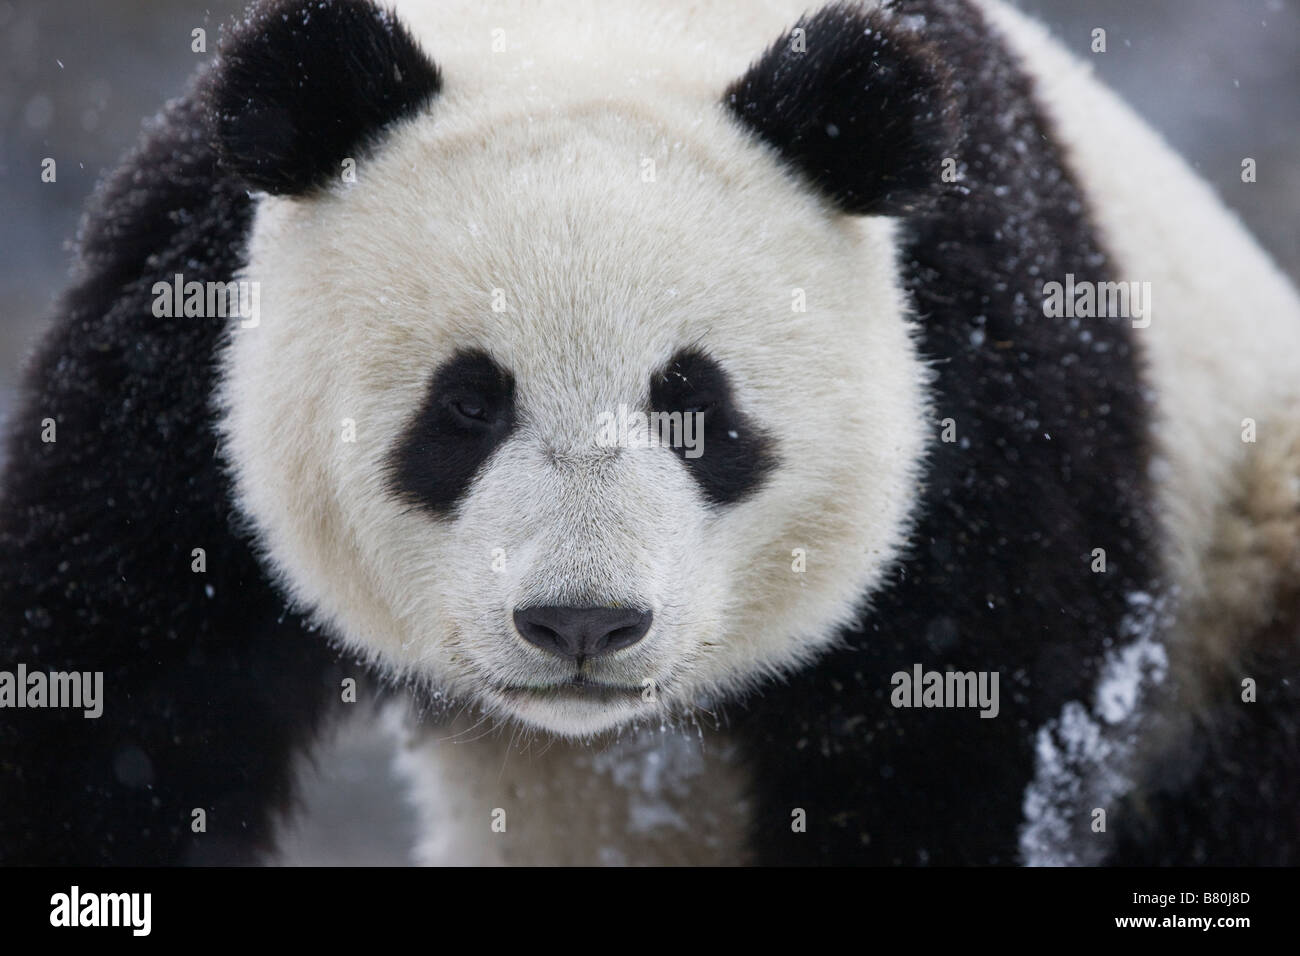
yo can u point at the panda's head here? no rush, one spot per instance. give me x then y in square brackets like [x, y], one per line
[471, 280]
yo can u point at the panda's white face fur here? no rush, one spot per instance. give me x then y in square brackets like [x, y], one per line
[605, 273]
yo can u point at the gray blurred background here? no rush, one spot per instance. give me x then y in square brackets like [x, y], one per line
[1220, 79]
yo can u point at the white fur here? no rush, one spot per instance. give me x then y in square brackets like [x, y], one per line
[526, 176]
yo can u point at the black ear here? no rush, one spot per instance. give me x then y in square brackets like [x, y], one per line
[857, 104]
[304, 84]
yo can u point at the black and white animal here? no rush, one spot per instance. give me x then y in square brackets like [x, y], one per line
[475, 231]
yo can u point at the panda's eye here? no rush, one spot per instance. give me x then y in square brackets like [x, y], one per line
[470, 411]
[476, 412]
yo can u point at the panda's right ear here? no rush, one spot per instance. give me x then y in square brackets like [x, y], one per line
[303, 85]
[857, 104]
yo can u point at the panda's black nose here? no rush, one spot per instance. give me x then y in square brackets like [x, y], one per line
[581, 632]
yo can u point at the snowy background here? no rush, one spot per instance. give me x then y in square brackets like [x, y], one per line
[1220, 78]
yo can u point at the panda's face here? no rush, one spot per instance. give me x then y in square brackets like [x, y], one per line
[425, 424]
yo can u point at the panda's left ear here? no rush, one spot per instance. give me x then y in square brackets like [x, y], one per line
[303, 85]
[855, 103]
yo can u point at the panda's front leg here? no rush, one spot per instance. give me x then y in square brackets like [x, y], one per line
[119, 574]
[189, 758]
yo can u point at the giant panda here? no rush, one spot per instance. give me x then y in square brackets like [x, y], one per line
[828, 236]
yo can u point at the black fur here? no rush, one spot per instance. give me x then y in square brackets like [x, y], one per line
[735, 455]
[1050, 463]
[469, 409]
[305, 84]
[862, 112]
[209, 685]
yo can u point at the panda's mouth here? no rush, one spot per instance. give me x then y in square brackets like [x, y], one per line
[577, 688]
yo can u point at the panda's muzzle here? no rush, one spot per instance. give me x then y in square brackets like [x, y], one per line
[577, 689]
[581, 633]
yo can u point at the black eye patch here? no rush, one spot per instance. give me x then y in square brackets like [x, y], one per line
[468, 410]
[735, 456]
